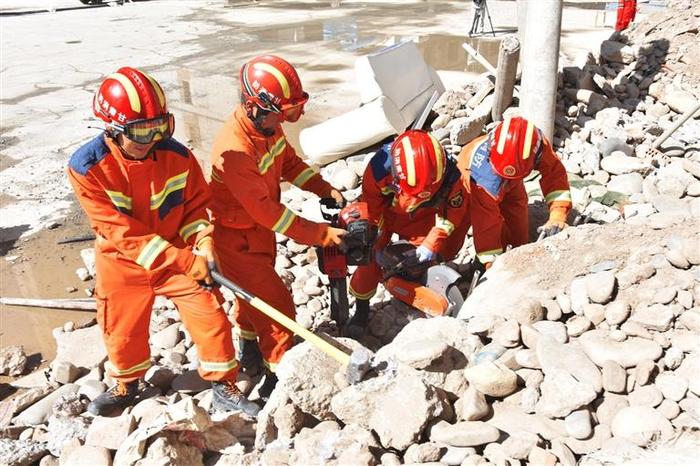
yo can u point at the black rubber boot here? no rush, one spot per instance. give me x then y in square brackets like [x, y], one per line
[267, 386]
[249, 356]
[358, 323]
[227, 397]
[118, 397]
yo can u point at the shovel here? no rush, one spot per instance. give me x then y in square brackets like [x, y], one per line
[357, 362]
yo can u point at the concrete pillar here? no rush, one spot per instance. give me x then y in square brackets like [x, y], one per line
[508, 55]
[540, 61]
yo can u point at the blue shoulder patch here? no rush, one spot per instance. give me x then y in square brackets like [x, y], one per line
[381, 162]
[89, 155]
[173, 145]
[482, 172]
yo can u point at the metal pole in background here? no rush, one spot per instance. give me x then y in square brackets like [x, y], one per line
[540, 61]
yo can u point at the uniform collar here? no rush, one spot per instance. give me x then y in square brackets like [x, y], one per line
[241, 117]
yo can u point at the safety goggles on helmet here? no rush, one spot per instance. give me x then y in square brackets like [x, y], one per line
[148, 130]
[291, 111]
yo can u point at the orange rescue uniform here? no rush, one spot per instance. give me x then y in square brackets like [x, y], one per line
[147, 215]
[499, 206]
[247, 168]
[439, 223]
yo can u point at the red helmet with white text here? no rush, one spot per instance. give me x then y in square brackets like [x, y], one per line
[418, 163]
[516, 145]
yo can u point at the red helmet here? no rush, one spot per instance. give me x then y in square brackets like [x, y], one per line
[418, 163]
[273, 84]
[515, 147]
[134, 103]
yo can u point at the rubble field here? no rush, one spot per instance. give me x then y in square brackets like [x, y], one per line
[583, 348]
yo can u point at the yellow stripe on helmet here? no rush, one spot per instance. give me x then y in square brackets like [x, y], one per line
[277, 74]
[130, 89]
[503, 136]
[438, 157]
[527, 148]
[156, 86]
[409, 155]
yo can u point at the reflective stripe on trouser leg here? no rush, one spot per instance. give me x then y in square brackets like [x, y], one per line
[207, 323]
[363, 284]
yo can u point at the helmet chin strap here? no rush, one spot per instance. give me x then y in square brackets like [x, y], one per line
[257, 120]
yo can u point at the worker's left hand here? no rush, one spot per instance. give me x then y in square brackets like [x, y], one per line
[204, 260]
[423, 254]
[339, 198]
[555, 224]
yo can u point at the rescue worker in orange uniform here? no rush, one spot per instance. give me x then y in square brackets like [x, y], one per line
[250, 157]
[494, 167]
[411, 188]
[146, 199]
[626, 11]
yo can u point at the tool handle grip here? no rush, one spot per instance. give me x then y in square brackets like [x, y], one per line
[340, 356]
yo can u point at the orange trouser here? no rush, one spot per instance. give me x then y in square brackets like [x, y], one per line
[247, 257]
[125, 293]
[513, 207]
[363, 284]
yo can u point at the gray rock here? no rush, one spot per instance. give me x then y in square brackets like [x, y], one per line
[190, 382]
[641, 424]
[577, 325]
[554, 356]
[677, 259]
[422, 353]
[39, 412]
[464, 434]
[563, 453]
[463, 130]
[527, 358]
[20, 452]
[455, 456]
[600, 286]
[13, 361]
[594, 442]
[289, 420]
[423, 453]
[672, 386]
[345, 179]
[562, 394]
[669, 409]
[91, 389]
[63, 429]
[619, 164]
[656, 317]
[64, 372]
[614, 377]
[647, 395]
[69, 405]
[556, 330]
[529, 312]
[673, 358]
[595, 313]
[160, 377]
[611, 405]
[629, 183]
[578, 295]
[83, 347]
[678, 100]
[578, 424]
[472, 406]
[166, 338]
[542, 457]
[513, 420]
[614, 144]
[492, 379]
[379, 404]
[110, 433]
[600, 348]
[691, 406]
[519, 445]
[644, 371]
[617, 52]
[689, 370]
[308, 376]
[507, 334]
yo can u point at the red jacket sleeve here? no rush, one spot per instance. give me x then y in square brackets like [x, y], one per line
[241, 174]
[554, 181]
[377, 202]
[130, 237]
[302, 176]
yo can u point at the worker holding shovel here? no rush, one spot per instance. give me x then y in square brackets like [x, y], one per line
[146, 199]
[493, 167]
[249, 158]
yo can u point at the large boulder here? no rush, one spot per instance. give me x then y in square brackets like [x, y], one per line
[379, 404]
[570, 358]
[629, 353]
[83, 347]
[307, 374]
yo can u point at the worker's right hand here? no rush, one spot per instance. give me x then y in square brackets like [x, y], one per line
[333, 236]
[199, 270]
